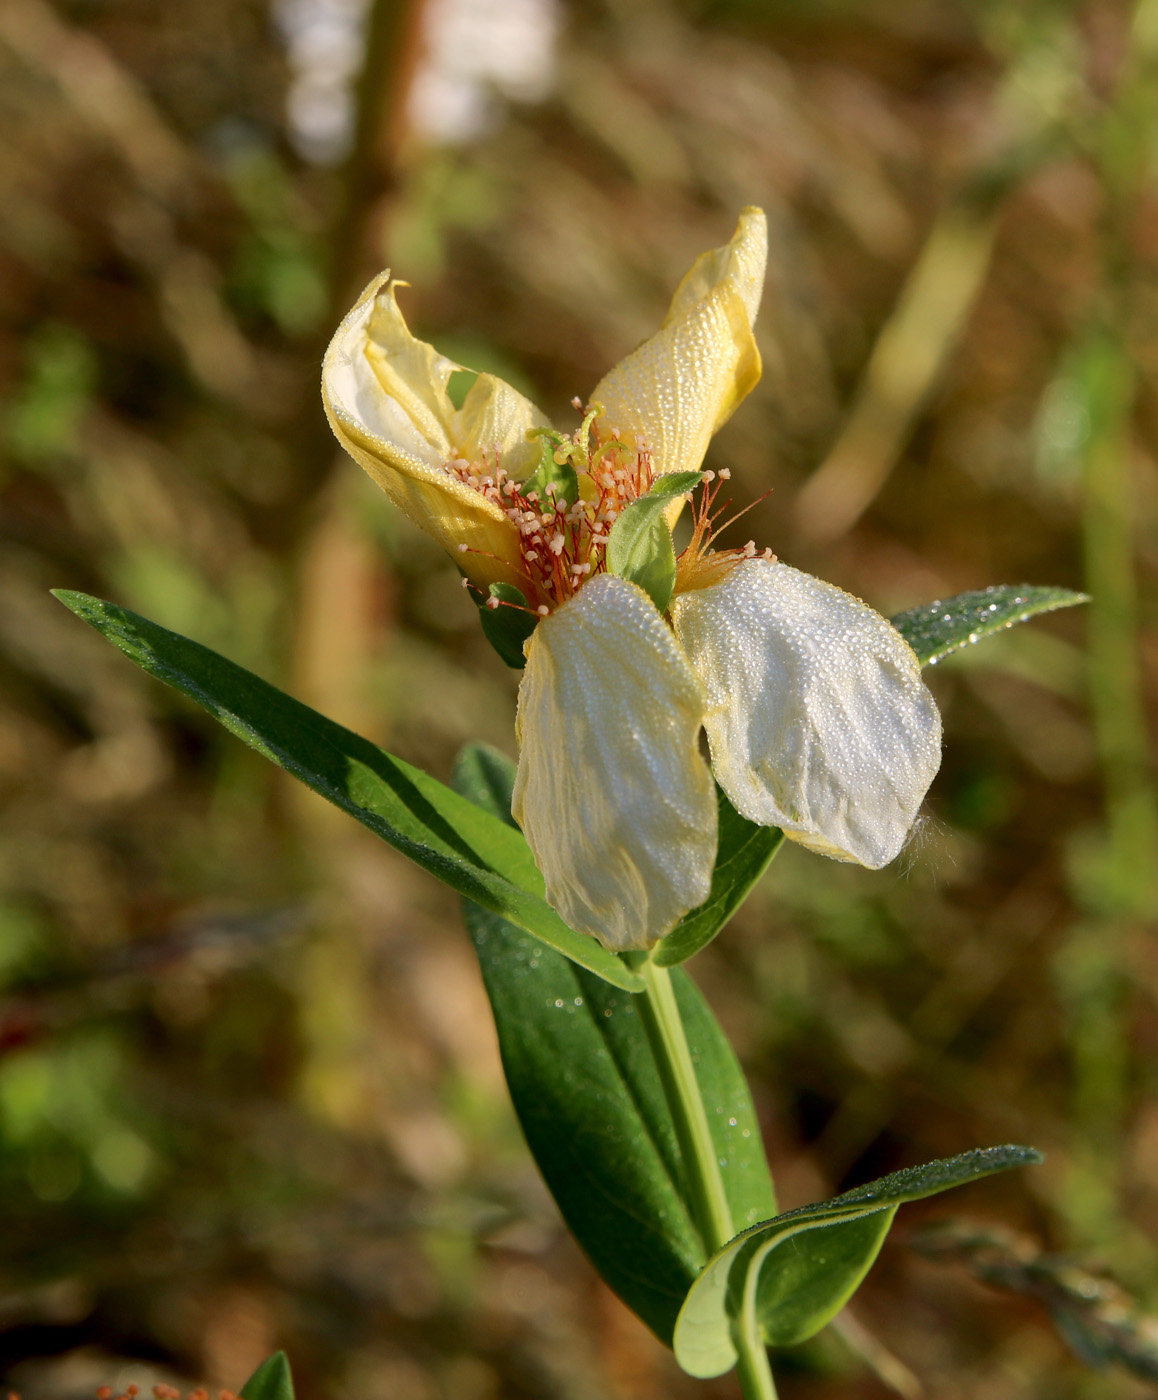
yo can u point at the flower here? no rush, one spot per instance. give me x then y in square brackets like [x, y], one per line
[816, 715]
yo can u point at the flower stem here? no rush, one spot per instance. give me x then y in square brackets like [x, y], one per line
[704, 1183]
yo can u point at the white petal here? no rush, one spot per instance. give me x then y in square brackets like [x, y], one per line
[817, 716]
[612, 792]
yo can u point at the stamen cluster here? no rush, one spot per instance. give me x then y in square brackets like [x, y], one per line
[564, 543]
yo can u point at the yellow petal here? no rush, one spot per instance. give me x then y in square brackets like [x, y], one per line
[385, 396]
[677, 388]
[495, 419]
[817, 717]
[612, 793]
[739, 264]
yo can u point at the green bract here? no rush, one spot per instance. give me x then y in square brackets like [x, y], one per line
[508, 626]
[639, 547]
[271, 1381]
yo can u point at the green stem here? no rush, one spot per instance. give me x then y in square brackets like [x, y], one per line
[704, 1183]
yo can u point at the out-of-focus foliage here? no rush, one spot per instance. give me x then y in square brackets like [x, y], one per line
[249, 1091]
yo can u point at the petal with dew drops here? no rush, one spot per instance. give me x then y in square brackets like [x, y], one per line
[385, 396]
[683, 383]
[495, 418]
[740, 264]
[612, 792]
[817, 717]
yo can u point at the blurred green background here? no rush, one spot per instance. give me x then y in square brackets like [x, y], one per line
[249, 1091]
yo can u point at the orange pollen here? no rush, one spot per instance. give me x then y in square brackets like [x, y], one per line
[563, 545]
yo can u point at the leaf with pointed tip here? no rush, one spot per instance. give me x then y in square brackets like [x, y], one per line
[935, 629]
[470, 850]
[639, 546]
[271, 1381]
[585, 1086]
[784, 1296]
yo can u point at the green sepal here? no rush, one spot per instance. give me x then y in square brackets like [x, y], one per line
[584, 1083]
[553, 480]
[935, 629]
[271, 1381]
[472, 852]
[784, 1296]
[639, 545]
[506, 628]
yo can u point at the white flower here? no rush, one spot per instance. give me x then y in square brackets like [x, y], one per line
[817, 719]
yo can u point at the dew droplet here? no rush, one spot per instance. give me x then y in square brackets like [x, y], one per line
[559, 1001]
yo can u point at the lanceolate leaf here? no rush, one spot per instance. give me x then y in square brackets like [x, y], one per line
[785, 1295]
[935, 629]
[585, 1086]
[475, 853]
[271, 1381]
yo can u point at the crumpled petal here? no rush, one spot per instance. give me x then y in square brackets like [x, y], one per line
[683, 383]
[385, 396]
[817, 717]
[612, 793]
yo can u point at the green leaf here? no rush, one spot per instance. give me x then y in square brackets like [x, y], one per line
[639, 546]
[786, 1296]
[506, 628]
[935, 629]
[588, 1095]
[271, 1381]
[741, 858]
[473, 852]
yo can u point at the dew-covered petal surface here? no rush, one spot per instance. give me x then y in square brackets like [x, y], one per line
[495, 419]
[612, 792]
[817, 716]
[385, 396]
[677, 388]
[740, 264]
